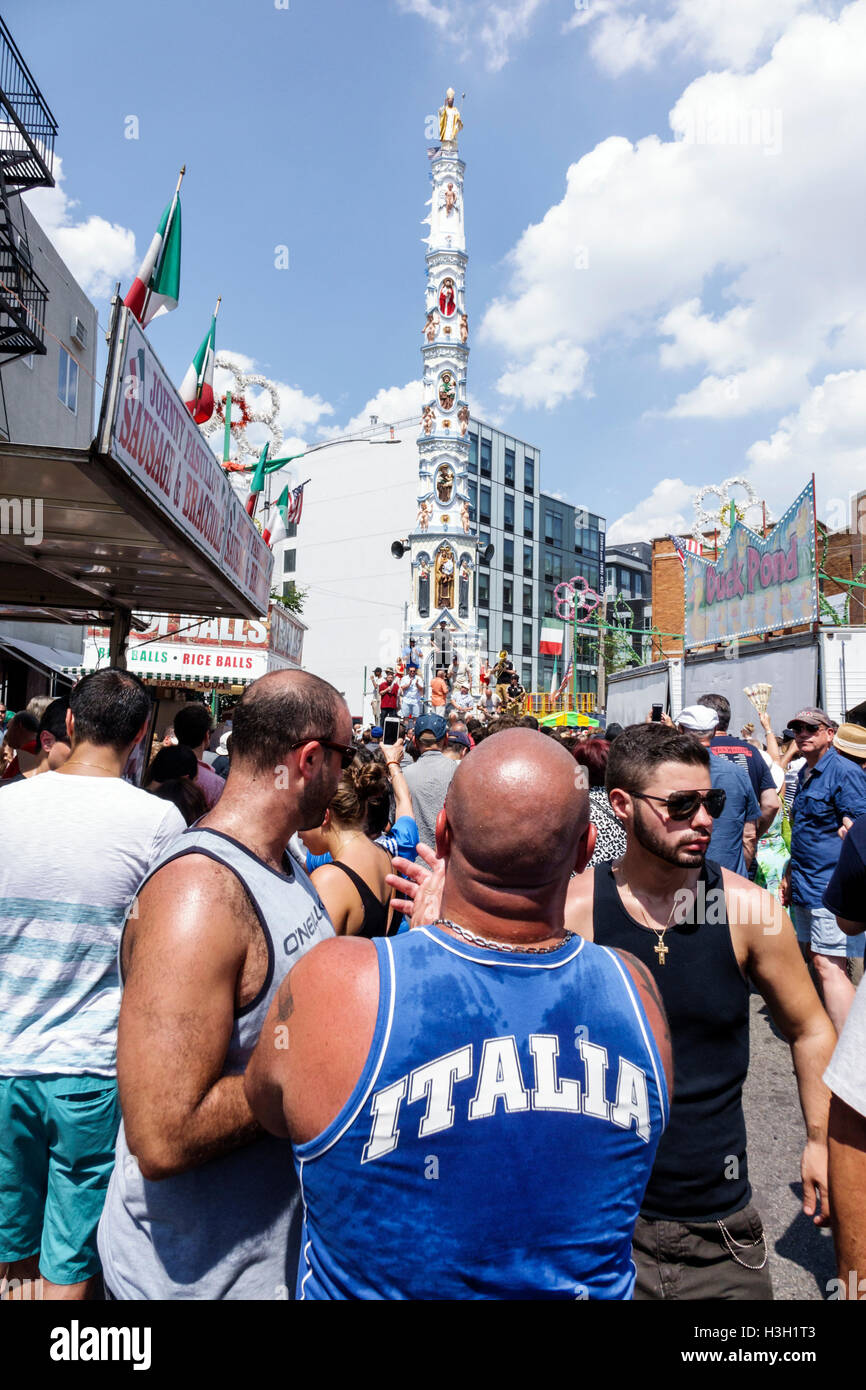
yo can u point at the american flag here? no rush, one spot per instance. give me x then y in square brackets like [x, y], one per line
[296, 505]
[686, 544]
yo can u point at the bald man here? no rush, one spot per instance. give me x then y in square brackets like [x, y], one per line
[202, 1204]
[483, 1122]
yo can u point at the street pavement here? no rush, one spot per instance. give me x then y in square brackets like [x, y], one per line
[801, 1255]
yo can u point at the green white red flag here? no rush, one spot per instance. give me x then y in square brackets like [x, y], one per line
[156, 288]
[196, 390]
[277, 528]
[257, 482]
[550, 642]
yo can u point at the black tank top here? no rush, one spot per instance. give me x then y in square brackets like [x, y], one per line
[375, 913]
[700, 1169]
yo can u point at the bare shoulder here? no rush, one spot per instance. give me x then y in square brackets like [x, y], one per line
[343, 970]
[753, 914]
[190, 898]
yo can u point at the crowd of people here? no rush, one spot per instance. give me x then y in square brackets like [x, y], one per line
[459, 1009]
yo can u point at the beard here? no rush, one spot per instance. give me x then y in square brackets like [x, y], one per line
[658, 844]
[316, 799]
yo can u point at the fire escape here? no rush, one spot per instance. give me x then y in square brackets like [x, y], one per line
[27, 134]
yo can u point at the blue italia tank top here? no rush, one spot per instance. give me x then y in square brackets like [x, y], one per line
[500, 1136]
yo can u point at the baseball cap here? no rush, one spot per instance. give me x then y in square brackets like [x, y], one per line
[431, 724]
[851, 739]
[413, 666]
[811, 715]
[376, 731]
[698, 719]
[458, 736]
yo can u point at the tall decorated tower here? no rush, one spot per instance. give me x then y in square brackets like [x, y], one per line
[444, 541]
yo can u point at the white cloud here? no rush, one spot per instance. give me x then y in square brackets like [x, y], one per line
[668, 509]
[495, 25]
[752, 196]
[826, 436]
[551, 375]
[628, 34]
[97, 252]
[390, 404]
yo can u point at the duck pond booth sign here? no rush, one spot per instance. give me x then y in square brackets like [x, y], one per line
[757, 583]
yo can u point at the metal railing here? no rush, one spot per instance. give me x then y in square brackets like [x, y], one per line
[27, 127]
[540, 702]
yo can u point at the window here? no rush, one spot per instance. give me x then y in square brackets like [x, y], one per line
[486, 448]
[507, 634]
[507, 595]
[483, 589]
[586, 540]
[508, 522]
[548, 603]
[289, 561]
[527, 559]
[509, 468]
[528, 475]
[472, 489]
[508, 554]
[527, 639]
[552, 527]
[528, 519]
[527, 676]
[67, 381]
[473, 452]
[484, 514]
[527, 600]
[552, 567]
[484, 631]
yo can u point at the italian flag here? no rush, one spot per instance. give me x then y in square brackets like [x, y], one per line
[156, 288]
[196, 390]
[257, 482]
[277, 528]
[550, 643]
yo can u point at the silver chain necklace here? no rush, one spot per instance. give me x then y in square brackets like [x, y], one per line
[505, 946]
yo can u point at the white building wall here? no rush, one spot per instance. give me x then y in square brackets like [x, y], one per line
[360, 498]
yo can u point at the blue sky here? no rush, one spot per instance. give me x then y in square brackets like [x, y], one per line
[654, 312]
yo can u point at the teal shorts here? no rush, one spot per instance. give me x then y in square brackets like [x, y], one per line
[57, 1137]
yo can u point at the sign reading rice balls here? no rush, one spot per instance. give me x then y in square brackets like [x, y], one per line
[757, 583]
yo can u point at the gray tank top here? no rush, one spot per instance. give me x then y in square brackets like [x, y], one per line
[231, 1228]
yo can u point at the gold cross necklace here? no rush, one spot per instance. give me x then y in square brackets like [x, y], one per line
[660, 948]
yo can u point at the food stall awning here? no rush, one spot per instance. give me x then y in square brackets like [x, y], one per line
[42, 658]
[144, 519]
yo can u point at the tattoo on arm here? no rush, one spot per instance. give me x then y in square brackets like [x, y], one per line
[285, 1002]
[651, 989]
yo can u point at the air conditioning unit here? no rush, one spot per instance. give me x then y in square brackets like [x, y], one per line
[78, 331]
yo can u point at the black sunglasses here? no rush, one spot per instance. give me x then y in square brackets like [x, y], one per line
[347, 751]
[683, 805]
[804, 729]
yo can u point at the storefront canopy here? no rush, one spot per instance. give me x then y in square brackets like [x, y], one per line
[145, 519]
[48, 659]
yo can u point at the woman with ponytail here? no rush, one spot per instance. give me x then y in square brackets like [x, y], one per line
[353, 887]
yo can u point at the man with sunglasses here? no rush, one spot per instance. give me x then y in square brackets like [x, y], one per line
[203, 1205]
[734, 838]
[704, 934]
[829, 788]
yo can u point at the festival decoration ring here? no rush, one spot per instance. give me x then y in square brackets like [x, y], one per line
[255, 415]
[716, 520]
[575, 600]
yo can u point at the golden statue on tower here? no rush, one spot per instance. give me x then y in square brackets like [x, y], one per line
[450, 123]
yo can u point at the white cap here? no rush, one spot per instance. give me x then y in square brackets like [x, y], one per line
[697, 719]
